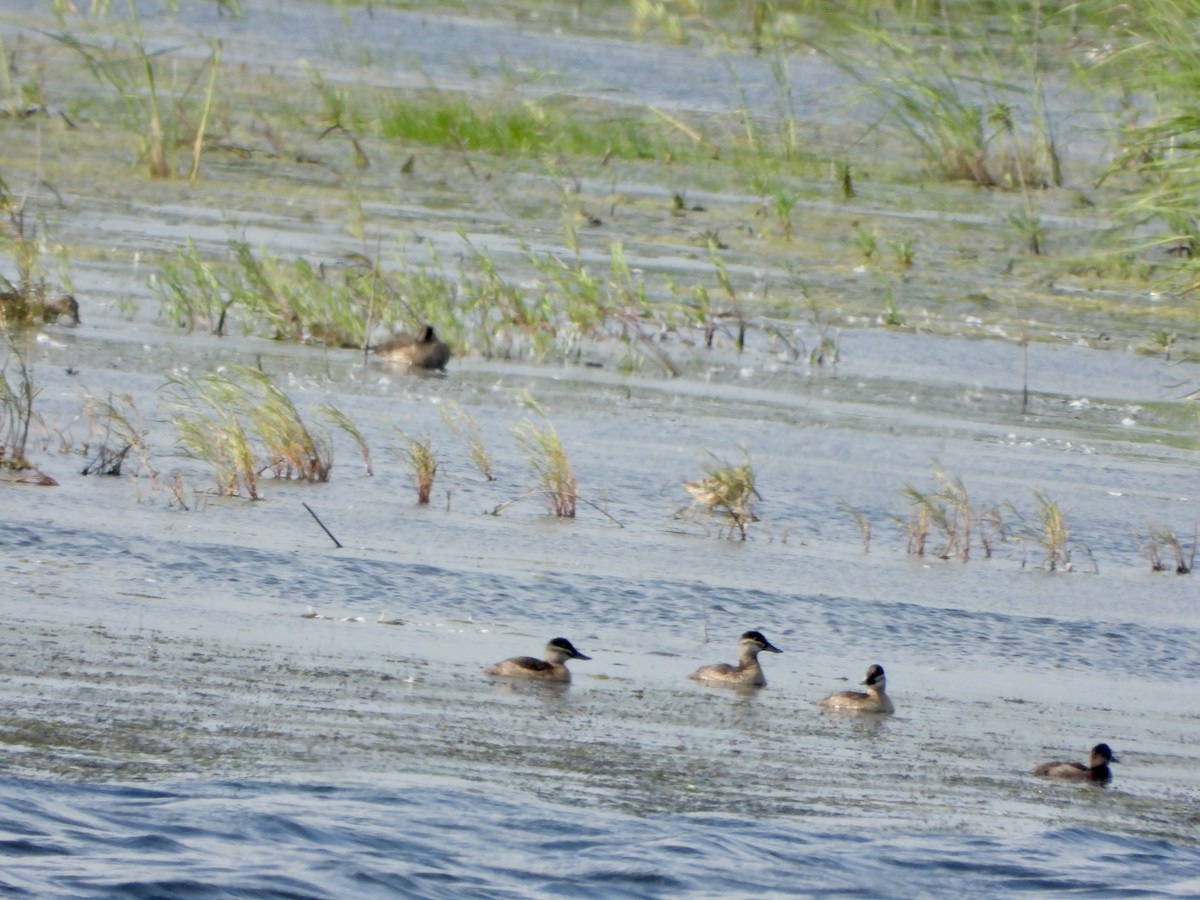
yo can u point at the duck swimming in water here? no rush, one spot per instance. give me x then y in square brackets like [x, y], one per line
[873, 700]
[420, 351]
[747, 671]
[1096, 770]
[551, 667]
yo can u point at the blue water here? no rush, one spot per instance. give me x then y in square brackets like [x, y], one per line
[255, 839]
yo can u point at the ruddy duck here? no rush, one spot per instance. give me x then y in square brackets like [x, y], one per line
[747, 671]
[875, 700]
[420, 351]
[1096, 769]
[550, 668]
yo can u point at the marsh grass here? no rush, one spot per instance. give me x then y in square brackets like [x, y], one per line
[1158, 540]
[867, 242]
[862, 522]
[905, 253]
[419, 456]
[210, 429]
[959, 107]
[948, 514]
[1158, 62]
[333, 305]
[464, 427]
[344, 423]
[1050, 530]
[16, 404]
[243, 425]
[827, 346]
[336, 109]
[554, 477]
[733, 311]
[293, 450]
[122, 430]
[554, 124]
[162, 123]
[892, 317]
[564, 303]
[727, 489]
[27, 298]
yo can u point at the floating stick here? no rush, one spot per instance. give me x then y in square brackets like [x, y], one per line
[336, 542]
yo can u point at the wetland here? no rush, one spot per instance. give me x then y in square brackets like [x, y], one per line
[666, 247]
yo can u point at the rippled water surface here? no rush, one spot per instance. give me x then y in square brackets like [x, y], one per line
[393, 837]
[173, 725]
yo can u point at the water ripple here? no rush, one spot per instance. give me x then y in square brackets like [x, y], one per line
[266, 839]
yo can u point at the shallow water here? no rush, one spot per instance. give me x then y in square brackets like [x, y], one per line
[196, 839]
[173, 726]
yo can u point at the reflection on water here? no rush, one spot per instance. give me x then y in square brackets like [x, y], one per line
[515, 687]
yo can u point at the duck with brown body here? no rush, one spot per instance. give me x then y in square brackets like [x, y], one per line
[419, 351]
[551, 667]
[60, 309]
[747, 671]
[1096, 770]
[873, 700]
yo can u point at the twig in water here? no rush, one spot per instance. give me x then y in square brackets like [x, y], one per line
[336, 542]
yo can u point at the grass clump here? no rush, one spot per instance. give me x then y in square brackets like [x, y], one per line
[340, 420]
[244, 425]
[956, 524]
[334, 305]
[727, 489]
[548, 126]
[26, 298]
[959, 108]
[422, 464]
[123, 431]
[163, 121]
[464, 427]
[16, 405]
[1158, 540]
[1159, 63]
[1051, 532]
[862, 522]
[554, 477]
